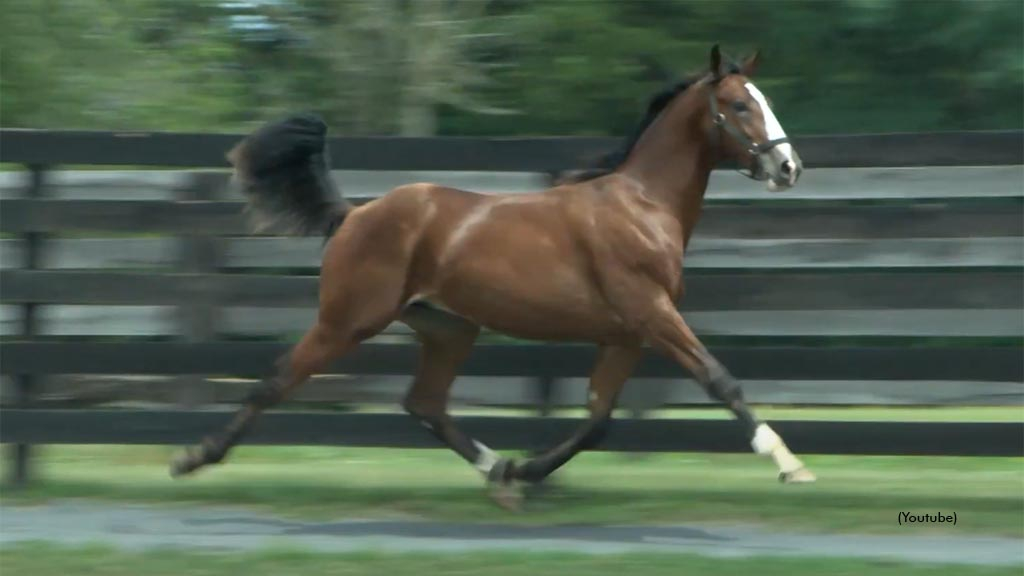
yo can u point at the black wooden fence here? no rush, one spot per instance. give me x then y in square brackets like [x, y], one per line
[876, 278]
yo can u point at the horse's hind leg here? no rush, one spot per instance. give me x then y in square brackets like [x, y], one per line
[667, 331]
[315, 351]
[354, 312]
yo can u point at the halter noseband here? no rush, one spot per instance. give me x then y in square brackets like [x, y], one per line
[752, 148]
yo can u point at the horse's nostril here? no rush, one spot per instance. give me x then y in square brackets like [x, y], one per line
[787, 168]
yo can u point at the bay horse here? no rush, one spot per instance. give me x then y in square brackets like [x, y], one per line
[597, 260]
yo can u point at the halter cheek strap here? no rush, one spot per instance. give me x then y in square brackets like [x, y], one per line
[753, 148]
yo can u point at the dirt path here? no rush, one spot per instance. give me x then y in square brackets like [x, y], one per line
[143, 527]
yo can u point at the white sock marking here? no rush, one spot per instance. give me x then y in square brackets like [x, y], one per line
[486, 459]
[766, 441]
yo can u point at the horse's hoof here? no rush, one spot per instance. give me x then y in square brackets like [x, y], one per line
[798, 476]
[508, 495]
[185, 463]
[502, 487]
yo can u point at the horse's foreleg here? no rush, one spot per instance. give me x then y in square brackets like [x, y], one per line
[669, 333]
[614, 365]
[318, 347]
[446, 341]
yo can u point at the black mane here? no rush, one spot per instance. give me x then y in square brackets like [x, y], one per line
[611, 161]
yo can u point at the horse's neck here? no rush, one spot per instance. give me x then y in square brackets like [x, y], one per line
[673, 160]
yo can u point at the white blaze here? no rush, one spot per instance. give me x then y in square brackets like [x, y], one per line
[771, 123]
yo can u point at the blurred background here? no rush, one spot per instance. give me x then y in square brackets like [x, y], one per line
[875, 312]
[501, 67]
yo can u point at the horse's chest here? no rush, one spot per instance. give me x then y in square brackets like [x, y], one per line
[657, 252]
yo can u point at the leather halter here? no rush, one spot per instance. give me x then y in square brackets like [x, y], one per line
[754, 149]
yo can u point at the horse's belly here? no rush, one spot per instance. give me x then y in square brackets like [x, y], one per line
[514, 265]
[543, 323]
[531, 301]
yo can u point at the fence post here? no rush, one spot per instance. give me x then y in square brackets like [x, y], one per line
[25, 384]
[199, 313]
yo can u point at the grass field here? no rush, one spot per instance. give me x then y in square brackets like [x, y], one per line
[49, 560]
[854, 494]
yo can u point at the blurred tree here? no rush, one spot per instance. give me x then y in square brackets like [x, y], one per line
[115, 64]
[459, 66]
[51, 54]
[580, 67]
[390, 64]
[835, 66]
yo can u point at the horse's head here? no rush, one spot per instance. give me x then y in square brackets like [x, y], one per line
[745, 128]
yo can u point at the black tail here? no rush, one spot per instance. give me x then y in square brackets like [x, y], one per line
[283, 172]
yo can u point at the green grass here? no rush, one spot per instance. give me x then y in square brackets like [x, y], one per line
[51, 560]
[853, 494]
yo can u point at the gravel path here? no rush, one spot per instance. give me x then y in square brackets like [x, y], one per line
[144, 527]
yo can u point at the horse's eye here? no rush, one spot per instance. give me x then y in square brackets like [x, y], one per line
[740, 106]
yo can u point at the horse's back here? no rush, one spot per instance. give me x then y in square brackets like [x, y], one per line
[522, 264]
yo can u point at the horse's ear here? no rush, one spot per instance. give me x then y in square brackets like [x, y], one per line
[716, 62]
[750, 65]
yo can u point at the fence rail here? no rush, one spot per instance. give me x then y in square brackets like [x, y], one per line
[893, 274]
[991, 363]
[979, 148]
[789, 290]
[510, 432]
[820, 219]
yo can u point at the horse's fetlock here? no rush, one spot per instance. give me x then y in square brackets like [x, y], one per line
[503, 471]
[212, 451]
[530, 471]
[597, 433]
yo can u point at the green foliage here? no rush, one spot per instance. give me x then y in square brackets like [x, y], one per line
[112, 64]
[508, 67]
